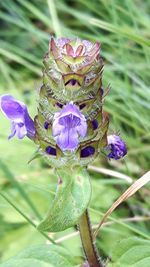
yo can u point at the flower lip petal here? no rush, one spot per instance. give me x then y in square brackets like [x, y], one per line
[21, 132]
[68, 139]
[68, 125]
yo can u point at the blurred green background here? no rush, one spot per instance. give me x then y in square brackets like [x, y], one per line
[122, 27]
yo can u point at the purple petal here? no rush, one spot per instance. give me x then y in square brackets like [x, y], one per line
[69, 121]
[116, 146]
[87, 44]
[17, 113]
[68, 125]
[62, 41]
[57, 128]
[82, 129]
[18, 129]
[70, 109]
[11, 108]
[13, 130]
[29, 124]
[21, 131]
[68, 139]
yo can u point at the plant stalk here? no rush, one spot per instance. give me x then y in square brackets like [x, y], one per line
[88, 244]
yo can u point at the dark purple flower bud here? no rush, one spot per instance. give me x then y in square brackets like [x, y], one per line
[101, 91]
[68, 125]
[82, 106]
[59, 105]
[21, 123]
[87, 152]
[50, 150]
[95, 124]
[46, 125]
[116, 146]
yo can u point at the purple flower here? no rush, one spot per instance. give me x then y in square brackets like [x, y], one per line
[116, 146]
[68, 125]
[16, 112]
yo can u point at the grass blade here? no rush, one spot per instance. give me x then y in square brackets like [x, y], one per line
[18, 187]
[25, 216]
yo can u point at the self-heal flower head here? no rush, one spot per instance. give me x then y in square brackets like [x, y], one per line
[68, 125]
[70, 133]
[21, 123]
[116, 146]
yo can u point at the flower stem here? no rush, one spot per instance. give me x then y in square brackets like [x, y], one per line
[88, 244]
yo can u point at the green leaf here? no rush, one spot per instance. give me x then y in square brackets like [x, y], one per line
[72, 198]
[26, 263]
[131, 252]
[41, 256]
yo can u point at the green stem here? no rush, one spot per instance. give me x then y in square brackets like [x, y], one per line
[88, 244]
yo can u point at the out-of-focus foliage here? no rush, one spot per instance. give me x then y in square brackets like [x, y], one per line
[123, 29]
[42, 256]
